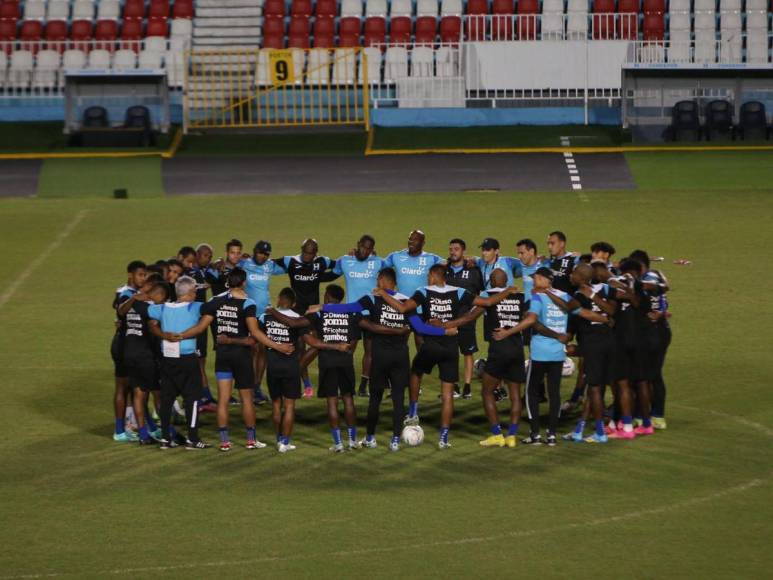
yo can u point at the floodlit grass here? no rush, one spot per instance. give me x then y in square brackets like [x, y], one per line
[693, 501]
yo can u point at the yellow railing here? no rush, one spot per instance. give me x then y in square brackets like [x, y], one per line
[276, 88]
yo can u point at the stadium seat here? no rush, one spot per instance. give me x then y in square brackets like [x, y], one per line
[30, 34]
[679, 47]
[319, 67]
[56, 34]
[273, 40]
[400, 30]
[106, 31]
[131, 34]
[351, 9]
[345, 67]
[705, 49]
[10, 11]
[158, 10]
[422, 62]
[73, 59]
[653, 27]
[324, 42]
[603, 22]
[396, 64]
[757, 47]
[446, 62]
[752, 121]
[150, 60]
[679, 6]
[685, 124]
[301, 9]
[475, 24]
[181, 28]
[756, 5]
[20, 71]
[450, 29]
[325, 8]
[349, 26]
[99, 59]
[298, 41]
[7, 33]
[95, 117]
[273, 26]
[426, 30]
[654, 6]
[46, 75]
[34, 10]
[730, 21]
[719, 120]
[757, 20]
[134, 10]
[373, 56]
[299, 26]
[3, 68]
[427, 8]
[155, 44]
[678, 21]
[157, 28]
[183, 9]
[83, 10]
[376, 9]
[324, 31]
[501, 27]
[137, 117]
[124, 60]
[274, 9]
[705, 5]
[451, 8]
[705, 20]
[731, 47]
[57, 10]
[81, 34]
[348, 40]
[174, 64]
[577, 26]
[109, 10]
[627, 19]
[731, 5]
[375, 31]
[401, 9]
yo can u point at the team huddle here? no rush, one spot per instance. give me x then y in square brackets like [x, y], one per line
[611, 316]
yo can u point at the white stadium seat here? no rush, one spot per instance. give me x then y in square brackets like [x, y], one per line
[730, 20]
[756, 48]
[99, 59]
[731, 48]
[451, 8]
[150, 60]
[34, 10]
[446, 62]
[427, 8]
[58, 10]
[401, 8]
[553, 6]
[3, 68]
[83, 10]
[679, 21]
[109, 10]
[757, 20]
[679, 46]
[74, 59]
[705, 21]
[124, 59]
[552, 25]
[705, 49]
[756, 5]
[679, 6]
[376, 8]
[319, 66]
[20, 71]
[155, 43]
[705, 6]
[373, 55]
[396, 64]
[577, 6]
[175, 68]
[351, 9]
[344, 66]
[182, 28]
[46, 75]
[730, 5]
[577, 26]
[422, 62]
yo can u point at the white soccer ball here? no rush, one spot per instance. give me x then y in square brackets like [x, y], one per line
[477, 367]
[413, 435]
[568, 368]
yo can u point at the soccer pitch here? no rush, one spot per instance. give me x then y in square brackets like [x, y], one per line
[692, 501]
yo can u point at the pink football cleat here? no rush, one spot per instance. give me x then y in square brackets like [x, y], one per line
[642, 430]
[622, 434]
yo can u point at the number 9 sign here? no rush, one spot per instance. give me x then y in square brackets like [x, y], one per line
[281, 65]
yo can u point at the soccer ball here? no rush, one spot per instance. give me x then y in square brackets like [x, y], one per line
[413, 435]
[477, 368]
[568, 368]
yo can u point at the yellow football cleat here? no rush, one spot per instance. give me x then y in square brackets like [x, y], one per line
[659, 422]
[511, 441]
[493, 441]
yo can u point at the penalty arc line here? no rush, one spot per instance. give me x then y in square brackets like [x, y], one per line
[41, 257]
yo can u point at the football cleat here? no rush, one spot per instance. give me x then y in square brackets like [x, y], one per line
[394, 445]
[659, 422]
[493, 441]
[596, 438]
[191, 445]
[126, 437]
[353, 444]
[168, 444]
[284, 448]
[337, 448]
[443, 444]
[225, 446]
[511, 441]
[532, 440]
[622, 434]
[254, 444]
[551, 440]
[411, 420]
[642, 430]
[573, 436]
[369, 443]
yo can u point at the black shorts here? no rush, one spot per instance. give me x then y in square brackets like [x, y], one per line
[235, 364]
[116, 353]
[143, 373]
[598, 354]
[506, 361]
[468, 340]
[182, 376]
[335, 381]
[445, 356]
[201, 344]
[283, 385]
[632, 363]
[390, 367]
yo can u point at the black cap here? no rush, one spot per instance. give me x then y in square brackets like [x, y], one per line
[545, 272]
[263, 247]
[490, 244]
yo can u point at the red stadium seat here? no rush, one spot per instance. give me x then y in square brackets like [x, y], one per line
[8, 33]
[183, 9]
[477, 6]
[298, 27]
[301, 8]
[604, 26]
[299, 41]
[107, 31]
[450, 29]
[56, 31]
[159, 10]
[273, 26]
[323, 42]
[326, 8]
[157, 28]
[349, 40]
[273, 41]
[10, 11]
[625, 6]
[134, 10]
[654, 26]
[524, 7]
[349, 26]
[131, 33]
[426, 30]
[400, 30]
[627, 19]
[31, 32]
[527, 24]
[81, 30]
[654, 6]
[324, 31]
[374, 37]
[274, 8]
[375, 31]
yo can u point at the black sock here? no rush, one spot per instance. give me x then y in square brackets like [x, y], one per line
[467, 387]
[364, 383]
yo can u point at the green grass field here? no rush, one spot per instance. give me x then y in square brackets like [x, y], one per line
[694, 501]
